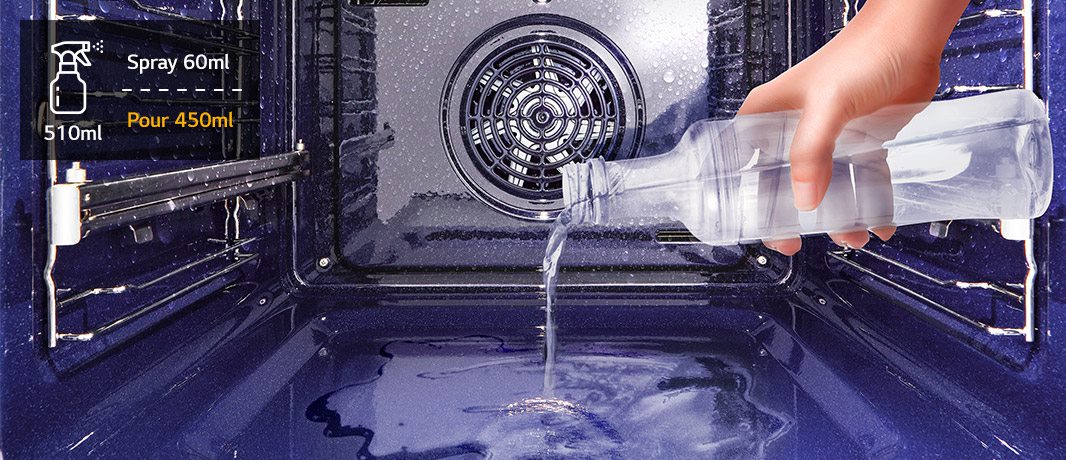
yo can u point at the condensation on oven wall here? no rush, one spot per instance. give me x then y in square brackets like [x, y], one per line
[665, 42]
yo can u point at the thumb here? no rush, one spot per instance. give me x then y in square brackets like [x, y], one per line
[811, 154]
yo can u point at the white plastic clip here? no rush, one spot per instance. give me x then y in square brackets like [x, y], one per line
[1016, 229]
[64, 208]
[75, 174]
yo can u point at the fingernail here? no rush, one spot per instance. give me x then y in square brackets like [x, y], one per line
[806, 195]
[884, 233]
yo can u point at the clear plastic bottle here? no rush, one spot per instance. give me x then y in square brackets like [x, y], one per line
[728, 181]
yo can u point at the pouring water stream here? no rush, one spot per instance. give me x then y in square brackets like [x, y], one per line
[550, 268]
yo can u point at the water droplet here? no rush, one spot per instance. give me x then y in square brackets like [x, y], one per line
[669, 76]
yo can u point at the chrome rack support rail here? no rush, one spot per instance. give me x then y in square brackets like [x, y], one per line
[976, 89]
[1018, 297]
[147, 284]
[110, 204]
[1019, 231]
[1022, 232]
[1029, 72]
[991, 13]
[1027, 329]
[172, 15]
[671, 236]
[115, 324]
[53, 178]
[139, 198]
[163, 33]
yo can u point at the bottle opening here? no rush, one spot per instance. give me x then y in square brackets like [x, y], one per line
[584, 186]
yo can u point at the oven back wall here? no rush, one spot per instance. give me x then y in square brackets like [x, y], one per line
[428, 153]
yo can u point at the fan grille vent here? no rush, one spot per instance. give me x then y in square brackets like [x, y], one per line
[530, 95]
[537, 104]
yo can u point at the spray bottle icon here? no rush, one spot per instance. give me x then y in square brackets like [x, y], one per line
[67, 90]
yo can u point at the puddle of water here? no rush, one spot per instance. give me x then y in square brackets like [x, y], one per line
[482, 396]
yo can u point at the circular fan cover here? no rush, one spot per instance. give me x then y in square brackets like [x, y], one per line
[538, 92]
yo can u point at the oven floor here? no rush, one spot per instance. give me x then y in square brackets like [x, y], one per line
[466, 382]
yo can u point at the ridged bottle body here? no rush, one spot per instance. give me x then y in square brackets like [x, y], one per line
[728, 181]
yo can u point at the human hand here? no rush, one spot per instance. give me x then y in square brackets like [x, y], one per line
[889, 54]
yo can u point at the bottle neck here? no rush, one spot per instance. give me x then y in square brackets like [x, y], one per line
[583, 195]
[598, 191]
[68, 67]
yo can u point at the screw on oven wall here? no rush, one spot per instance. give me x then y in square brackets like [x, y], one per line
[323, 262]
[263, 300]
[323, 352]
[762, 260]
[822, 301]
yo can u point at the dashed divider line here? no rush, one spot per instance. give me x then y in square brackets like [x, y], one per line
[181, 90]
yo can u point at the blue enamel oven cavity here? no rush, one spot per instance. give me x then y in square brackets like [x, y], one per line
[362, 299]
